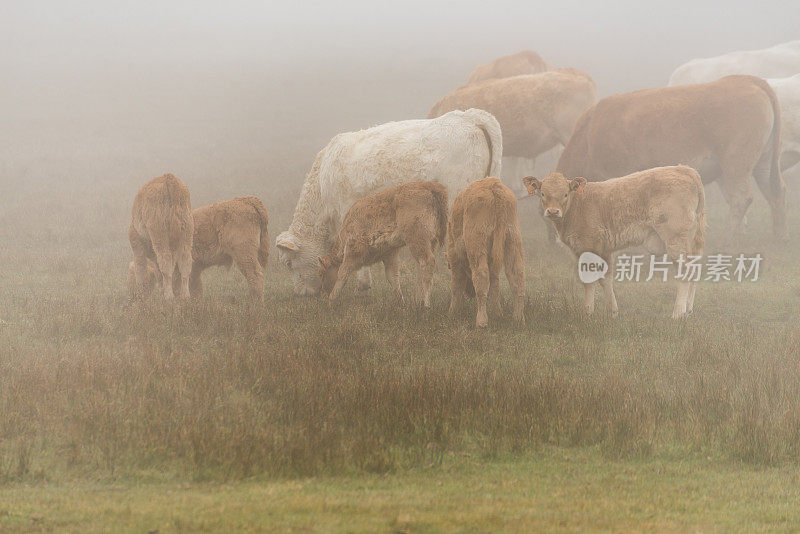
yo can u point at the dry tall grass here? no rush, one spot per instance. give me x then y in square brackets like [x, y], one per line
[88, 388]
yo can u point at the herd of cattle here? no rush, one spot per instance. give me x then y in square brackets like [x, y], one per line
[631, 174]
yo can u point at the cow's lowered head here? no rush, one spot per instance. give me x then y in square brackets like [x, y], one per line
[555, 191]
[302, 260]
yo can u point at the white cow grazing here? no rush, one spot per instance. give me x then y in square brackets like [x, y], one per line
[453, 150]
[788, 92]
[776, 62]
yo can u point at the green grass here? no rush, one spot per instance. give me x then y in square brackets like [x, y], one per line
[553, 489]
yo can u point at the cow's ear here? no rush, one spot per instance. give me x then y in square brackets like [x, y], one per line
[577, 184]
[532, 184]
[287, 242]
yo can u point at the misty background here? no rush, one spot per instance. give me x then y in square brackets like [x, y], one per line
[236, 97]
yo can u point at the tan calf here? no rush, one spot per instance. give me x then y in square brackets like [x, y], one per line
[161, 230]
[228, 232]
[662, 209]
[377, 226]
[483, 237]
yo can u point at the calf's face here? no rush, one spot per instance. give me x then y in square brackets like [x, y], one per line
[555, 192]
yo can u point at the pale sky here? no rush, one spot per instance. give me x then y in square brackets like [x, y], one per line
[639, 40]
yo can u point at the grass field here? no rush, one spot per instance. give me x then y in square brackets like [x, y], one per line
[362, 416]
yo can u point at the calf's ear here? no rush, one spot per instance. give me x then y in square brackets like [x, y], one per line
[532, 185]
[576, 184]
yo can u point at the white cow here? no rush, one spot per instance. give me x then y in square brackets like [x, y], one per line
[788, 91]
[776, 62]
[454, 150]
[773, 64]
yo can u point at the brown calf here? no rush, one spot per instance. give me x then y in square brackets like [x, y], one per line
[161, 230]
[228, 232]
[377, 226]
[483, 236]
[662, 209]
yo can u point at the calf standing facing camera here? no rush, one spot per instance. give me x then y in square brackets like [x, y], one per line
[662, 209]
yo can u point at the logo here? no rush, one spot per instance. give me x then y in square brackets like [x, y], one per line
[591, 267]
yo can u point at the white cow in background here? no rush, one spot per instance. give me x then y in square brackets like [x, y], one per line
[776, 62]
[454, 150]
[778, 65]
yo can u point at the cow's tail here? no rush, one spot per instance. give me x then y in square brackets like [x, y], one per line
[440, 202]
[775, 178]
[263, 222]
[494, 138]
[180, 212]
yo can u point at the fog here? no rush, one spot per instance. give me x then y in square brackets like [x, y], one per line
[155, 84]
[624, 45]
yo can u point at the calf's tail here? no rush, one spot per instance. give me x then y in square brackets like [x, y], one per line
[440, 208]
[263, 221]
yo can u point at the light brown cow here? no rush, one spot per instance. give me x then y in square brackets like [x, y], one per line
[483, 237]
[228, 232]
[377, 226]
[662, 209]
[729, 130]
[525, 62]
[536, 112]
[161, 230]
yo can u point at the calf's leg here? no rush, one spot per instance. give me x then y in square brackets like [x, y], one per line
[140, 249]
[515, 273]
[166, 265]
[248, 264]
[588, 298]
[480, 280]
[344, 272]
[681, 300]
[607, 283]
[391, 266]
[458, 284]
[195, 282]
[426, 264]
[690, 300]
[184, 264]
